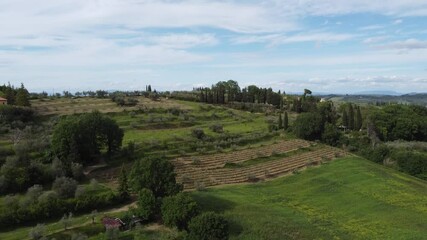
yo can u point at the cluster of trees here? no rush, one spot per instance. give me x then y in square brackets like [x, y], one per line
[229, 91]
[15, 96]
[352, 117]
[80, 138]
[122, 100]
[160, 197]
[283, 123]
[38, 205]
[398, 121]
[305, 103]
[320, 124]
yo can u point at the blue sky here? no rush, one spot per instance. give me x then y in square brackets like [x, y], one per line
[336, 46]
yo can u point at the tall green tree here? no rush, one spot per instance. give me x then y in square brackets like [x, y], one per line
[359, 121]
[345, 118]
[84, 136]
[280, 124]
[286, 121]
[22, 97]
[178, 210]
[308, 126]
[351, 117]
[10, 94]
[123, 188]
[156, 174]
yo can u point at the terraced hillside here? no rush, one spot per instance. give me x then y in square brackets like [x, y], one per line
[65, 106]
[251, 164]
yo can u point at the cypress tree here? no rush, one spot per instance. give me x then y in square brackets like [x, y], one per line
[280, 121]
[123, 188]
[286, 121]
[22, 96]
[359, 121]
[351, 117]
[10, 95]
[345, 118]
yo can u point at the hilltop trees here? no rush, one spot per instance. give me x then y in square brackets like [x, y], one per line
[80, 138]
[229, 91]
[15, 96]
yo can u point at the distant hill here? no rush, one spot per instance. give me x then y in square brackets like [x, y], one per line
[410, 98]
[378, 93]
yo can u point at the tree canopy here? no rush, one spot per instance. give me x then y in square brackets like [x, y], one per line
[156, 174]
[79, 138]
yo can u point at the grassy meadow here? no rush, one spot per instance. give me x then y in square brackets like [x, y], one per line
[350, 198]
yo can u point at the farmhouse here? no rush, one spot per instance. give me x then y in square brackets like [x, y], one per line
[112, 223]
[3, 101]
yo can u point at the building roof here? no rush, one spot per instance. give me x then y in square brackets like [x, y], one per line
[3, 99]
[112, 222]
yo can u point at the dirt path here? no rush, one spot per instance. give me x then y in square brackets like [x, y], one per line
[100, 214]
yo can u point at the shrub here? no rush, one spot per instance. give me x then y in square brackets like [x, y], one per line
[218, 128]
[65, 187]
[80, 191]
[79, 236]
[208, 226]
[47, 197]
[146, 204]
[34, 192]
[198, 133]
[200, 186]
[77, 170]
[178, 210]
[37, 232]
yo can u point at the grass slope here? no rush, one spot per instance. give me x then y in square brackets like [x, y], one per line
[350, 198]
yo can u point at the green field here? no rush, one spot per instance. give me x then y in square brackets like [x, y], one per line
[350, 198]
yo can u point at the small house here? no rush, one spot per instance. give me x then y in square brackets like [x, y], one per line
[3, 101]
[113, 223]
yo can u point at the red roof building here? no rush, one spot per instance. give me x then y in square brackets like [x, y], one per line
[110, 223]
[3, 101]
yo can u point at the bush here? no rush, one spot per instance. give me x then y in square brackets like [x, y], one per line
[77, 170]
[208, 226]
[178, 210]
[218, 128]
[65, 187]
[37, 232]
[198, 133]
[34, 192]
[413, 163]
[146, 204]
[331, 135]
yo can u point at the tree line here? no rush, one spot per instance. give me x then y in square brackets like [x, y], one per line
[15, 96]
[229, 91]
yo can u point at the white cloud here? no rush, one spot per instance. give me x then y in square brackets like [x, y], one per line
[397, 21]
[408, 44]
[278, 39]
[184, 40]
[371, 27]
[376, 39]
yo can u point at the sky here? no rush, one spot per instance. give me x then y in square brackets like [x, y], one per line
[328, 46]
